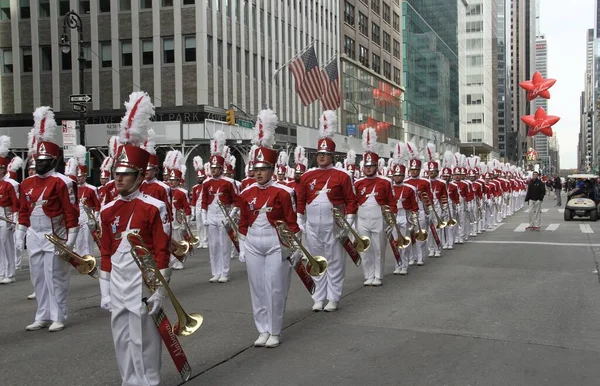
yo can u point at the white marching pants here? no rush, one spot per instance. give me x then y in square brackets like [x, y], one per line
[202, 233]
[50, 276]
[18, 254]
[269, 278]
[219, 250]
[535, 214]
[373, 259]
[402, 222]
[431, 244]
[84, 244]
[419, 248]
[7, 251]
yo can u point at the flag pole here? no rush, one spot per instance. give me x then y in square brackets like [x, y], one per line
[312, 43]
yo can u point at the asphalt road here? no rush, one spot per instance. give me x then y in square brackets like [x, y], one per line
[513, 307]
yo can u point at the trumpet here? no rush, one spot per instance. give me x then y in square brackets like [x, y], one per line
[317, 265]
[390, 219]
[182, 218]
[85, 265]
[186, 323]
[427, 201]
[361, 243]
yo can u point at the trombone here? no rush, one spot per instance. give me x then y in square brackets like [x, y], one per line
[420, 234]
[228, 217]
[317, 265]
[85, 265]
[361, 243]
[427, 202]
[451, 221]
[182, 218]
[390, 219]
[186, 323]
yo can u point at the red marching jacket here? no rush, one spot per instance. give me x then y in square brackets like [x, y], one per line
[378, 186]
[148, 216]
[406, 195]
[454, 192]
[180, 201]
[9, 202]
[247, 182]
[110, 192]
[464, 190]
[423, 186]
[336, 183]
[89, 196]
[196, 194]
[439, 190]
[223, 187]
[273, 199]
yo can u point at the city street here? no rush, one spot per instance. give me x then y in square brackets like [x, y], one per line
[512, 307]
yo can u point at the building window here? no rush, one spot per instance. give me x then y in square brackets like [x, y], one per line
[189, 48]
[125, 5]
[386, 13]
[46, 58]
[220, 53]
[349, 13]
[44, 8]
[363, 24]
[387, 70]
[104, 5]
[396, 49]
[474, 99]
[349, 47]
[247, 63]
[238, 61]
[396, 75]
[475, 118]
[363, 56]
[7, 62]
[474, 26]
[189, 2]
[229, 61]
[474, 9]
[474, 60]
[209, 49]
[25, 9]
[126, 54]
[167, 3]
[63, 7]
[65, 61]
[84, 7]
[376, 65]
[474, 79]
[145, 4]
[87, 55]
[396, 22]
[4, 9]
[386, 41]
[168, 51]
[27, 60]
[105, 55]
[375, 33]
[147, 52]
[375, 6]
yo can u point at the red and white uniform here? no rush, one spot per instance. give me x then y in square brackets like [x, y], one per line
[371, 194]
[17, 186]
[196, 204]
[247, 182]
[108, 192]
[319, 191]
[9, 208]
[220, 189]
[88, 196]
[406, 202]
[268, 271]
[423, 186]
[477, 205]
[158, 190]
[134, 333]
[48, 205]
[181, 207]
[439, 192]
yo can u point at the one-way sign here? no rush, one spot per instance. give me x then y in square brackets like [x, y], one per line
[80, 98]
[79, 108]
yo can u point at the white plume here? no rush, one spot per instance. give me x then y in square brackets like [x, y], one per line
[412, 150]
[198, 163]
[113, 146]
[327, 124]
[266, 123]
[15, 164]
[80, 152]
[4, 145]
[400, 153]
[71, 167]
[31, 143]
[217, 143]
[44, 124]
[183, 169]
[107, 164]
[283, 158]
[251, 154]
[448, 159]
[300, 155]
[174, 160]
[232, 161]
[430, 150]
[458, 160]
[483, 168]
[150, 143]
[207, 169]
[350, 158]
[369, 140]
[338, 165]
[134, 125]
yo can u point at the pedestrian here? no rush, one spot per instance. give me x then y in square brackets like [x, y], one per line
[535, 192]
[558, 188]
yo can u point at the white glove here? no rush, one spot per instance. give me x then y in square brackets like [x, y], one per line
[301, 221]
[20, 238]
[351, 219]
[105, 302]
[296, 257]
[204, 218]
[242, 255]
[193, 217]
[71, 237]
[155, 302]
[234, 212]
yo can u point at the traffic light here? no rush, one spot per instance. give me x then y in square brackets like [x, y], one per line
[230, 117]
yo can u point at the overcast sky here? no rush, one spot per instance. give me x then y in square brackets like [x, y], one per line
[565, 24]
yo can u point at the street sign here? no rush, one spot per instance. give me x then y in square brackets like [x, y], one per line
[80, 98]
[246, 124]
[69, 131]
[79, 108]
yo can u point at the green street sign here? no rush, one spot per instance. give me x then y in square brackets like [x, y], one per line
[246, 124]
[88, 162]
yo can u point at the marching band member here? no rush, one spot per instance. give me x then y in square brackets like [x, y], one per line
[180, 207]
[14, 165]
[136, 339]
[48, 206]
[478, 197]
[151, 185]
[447, 235]
[9, 207]
[423, 186]
[218, 189]
[440, 199]
[320, 190]
[88, 200]
[32, 148]
[282, 168]
[372, 193]
[471, 210]
[105, 174]
[230, 162]
[453, 200]
[197, 201]
[300, 167]
[249, 180]
[461, 230]
[408, 207]
[350, 165]
[263, 204]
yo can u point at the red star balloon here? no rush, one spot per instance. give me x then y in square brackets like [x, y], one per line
[540, 122]
[537, 86]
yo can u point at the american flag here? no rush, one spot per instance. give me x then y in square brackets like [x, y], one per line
[307, 75]
[331, 84]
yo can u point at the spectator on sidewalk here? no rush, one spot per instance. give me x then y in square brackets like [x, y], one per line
[557, 189]
[535, 193]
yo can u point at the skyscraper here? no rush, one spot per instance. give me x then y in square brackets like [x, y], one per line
[504, 83]
[540, 141]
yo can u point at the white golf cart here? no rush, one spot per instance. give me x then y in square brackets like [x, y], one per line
[584, 199]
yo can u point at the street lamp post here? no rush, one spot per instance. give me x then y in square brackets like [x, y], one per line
[73, 21]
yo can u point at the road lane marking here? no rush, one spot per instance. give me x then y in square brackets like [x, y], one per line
[521, 228]
[586, 228]
[532, 243]
[545, 210]
[561, 211]
[552, 227]
[527, 210]
[495, 227]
